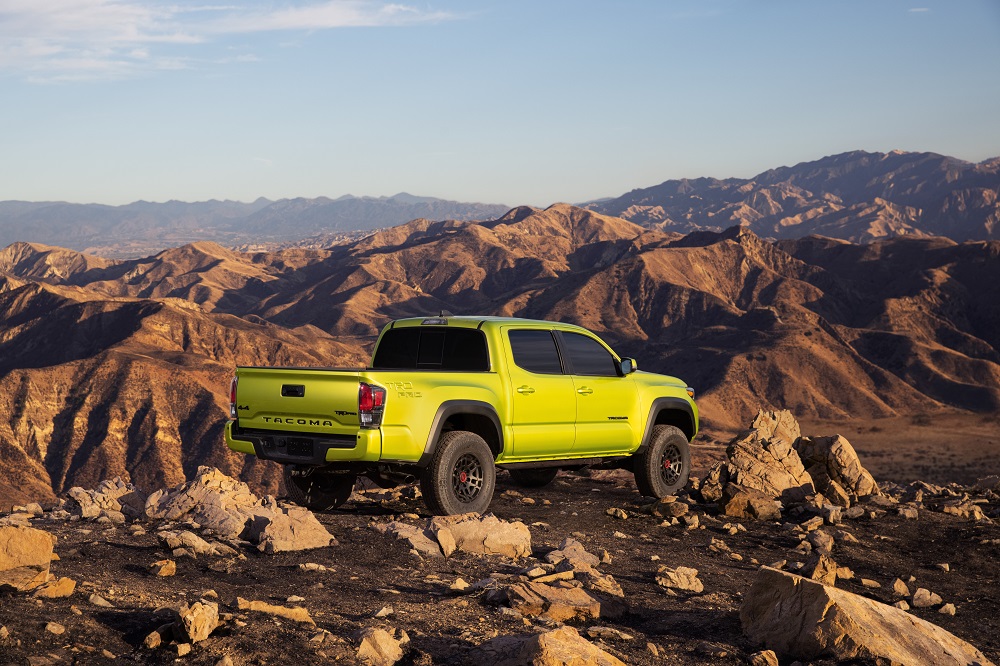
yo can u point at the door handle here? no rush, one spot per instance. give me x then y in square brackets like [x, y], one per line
[525, 390]
[585, 390]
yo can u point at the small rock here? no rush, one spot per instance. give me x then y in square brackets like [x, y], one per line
[385, 611]
[98, 600]
[183, 649]
[615, 512]
[680, 578]
[163, 568]
[813, 523]
[944, 566]
[55, 628]
[821, 541]
[56, 589]
[152, 640]
[924, 598]
[377, 647]
[899, 588]
[460, 585]
[296, 614]
[764, 658]
[652, 649]
[608, 632]
[821, 567]
[869, 583]
[196, 621]
[947, 609]
[902, 605]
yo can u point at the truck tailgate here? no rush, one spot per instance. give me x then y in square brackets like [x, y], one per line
[317, 401]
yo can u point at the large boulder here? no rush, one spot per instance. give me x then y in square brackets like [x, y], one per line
[804, 619]
[835, 468]
[763, 458]
[276, 529]
[25, 554]
[483, 535]
[558, 647]
[212, 499]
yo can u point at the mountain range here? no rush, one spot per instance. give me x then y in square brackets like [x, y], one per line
[857, 196]
[121, 367]
[143, 227]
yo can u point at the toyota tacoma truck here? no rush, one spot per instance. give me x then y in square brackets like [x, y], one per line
[447, 400]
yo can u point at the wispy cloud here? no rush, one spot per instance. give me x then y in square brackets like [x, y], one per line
[98, 39]
[919, 10]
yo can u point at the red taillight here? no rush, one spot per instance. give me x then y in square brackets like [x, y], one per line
[371, 403]
[232, 398]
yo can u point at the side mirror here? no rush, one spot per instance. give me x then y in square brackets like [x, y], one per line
[628, 366]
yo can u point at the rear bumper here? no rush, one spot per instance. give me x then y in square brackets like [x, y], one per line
[304, 448]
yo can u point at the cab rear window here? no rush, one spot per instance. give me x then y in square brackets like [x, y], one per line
[420, 348]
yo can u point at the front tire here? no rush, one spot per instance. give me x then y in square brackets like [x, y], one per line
[663, 467]
[533, 478]
[318, 491]
[461, 476]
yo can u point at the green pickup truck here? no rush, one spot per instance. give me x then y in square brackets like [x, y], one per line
[447, 400]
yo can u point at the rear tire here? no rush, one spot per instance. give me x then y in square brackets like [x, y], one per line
[663, 467]
[319, 491]
[533, 478]
[461, 476]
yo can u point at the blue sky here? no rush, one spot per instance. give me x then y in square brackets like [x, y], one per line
[506, 101]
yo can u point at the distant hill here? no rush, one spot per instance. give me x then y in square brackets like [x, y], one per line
[855, 196]
[108, 367]
[141, 228]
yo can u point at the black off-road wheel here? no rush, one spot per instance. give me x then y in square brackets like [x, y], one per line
[533, 478]
[318, 491]
[662, 468]
[461, 476]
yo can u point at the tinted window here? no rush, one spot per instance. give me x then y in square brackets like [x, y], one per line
[587, 356]
[535, 351]
[460, 349]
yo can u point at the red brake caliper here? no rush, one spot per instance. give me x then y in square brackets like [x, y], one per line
[463, 477]
[666, 464]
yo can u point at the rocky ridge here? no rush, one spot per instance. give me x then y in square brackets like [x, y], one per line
[582, 569]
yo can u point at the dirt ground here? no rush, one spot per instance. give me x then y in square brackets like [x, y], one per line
[369, 571]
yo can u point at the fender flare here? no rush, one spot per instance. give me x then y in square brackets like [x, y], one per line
[451, 408]
[674, 404]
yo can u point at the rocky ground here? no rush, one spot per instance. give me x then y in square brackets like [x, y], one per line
[150, 583]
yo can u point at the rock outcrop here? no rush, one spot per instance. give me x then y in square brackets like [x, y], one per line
[836, 469]
[211, 499]
[803, 619]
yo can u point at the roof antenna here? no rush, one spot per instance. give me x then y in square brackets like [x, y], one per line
[445, 313]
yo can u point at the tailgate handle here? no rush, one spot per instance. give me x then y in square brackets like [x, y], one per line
[293, 391]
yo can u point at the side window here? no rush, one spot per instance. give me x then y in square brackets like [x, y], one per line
[588, 357]
[535, 351]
